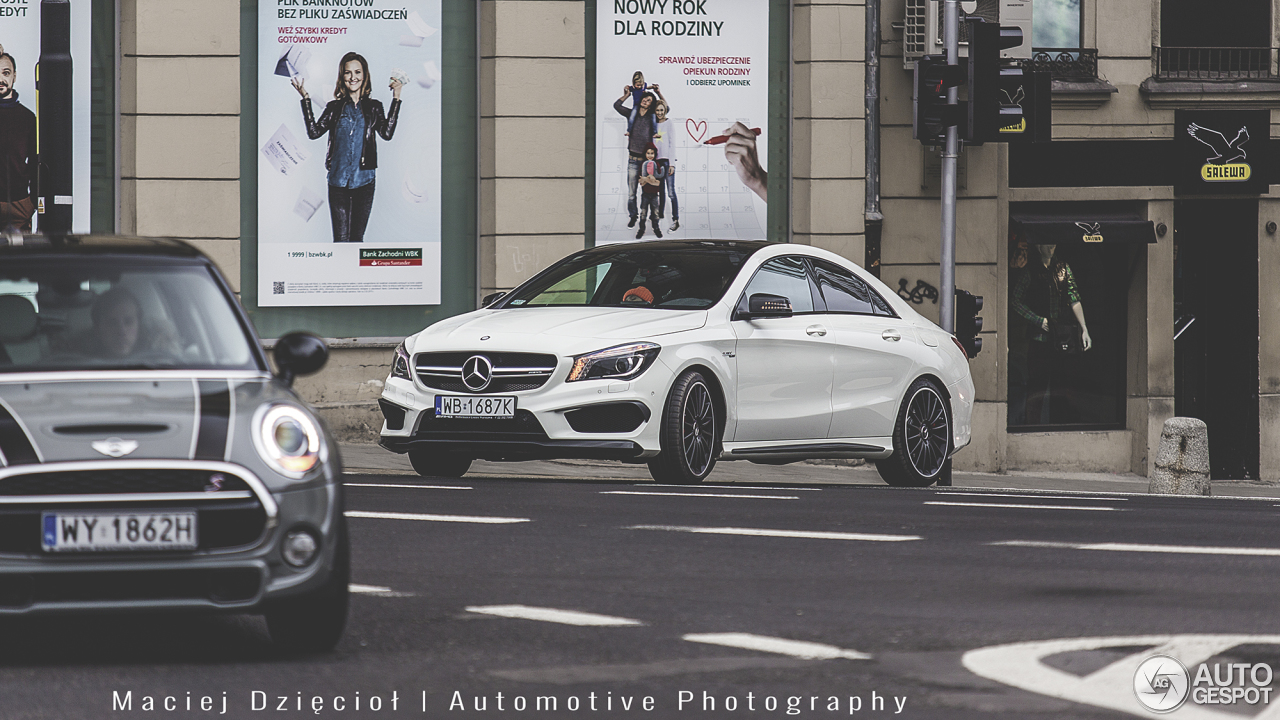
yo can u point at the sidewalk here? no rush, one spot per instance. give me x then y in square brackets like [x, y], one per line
[360, 458]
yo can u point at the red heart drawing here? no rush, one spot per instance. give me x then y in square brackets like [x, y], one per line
[700, 127]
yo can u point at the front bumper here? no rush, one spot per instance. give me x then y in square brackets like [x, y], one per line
[238, 566]
[544, 424]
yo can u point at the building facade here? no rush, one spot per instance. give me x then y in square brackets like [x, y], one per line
[1166, 263]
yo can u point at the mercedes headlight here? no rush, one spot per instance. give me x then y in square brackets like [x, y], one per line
[623, 362]
[400, 363]
[287, 439]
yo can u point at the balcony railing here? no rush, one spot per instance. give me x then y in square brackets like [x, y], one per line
[1064, 63]
[1215, 63]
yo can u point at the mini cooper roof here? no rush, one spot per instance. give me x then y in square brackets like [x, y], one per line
[19, 244]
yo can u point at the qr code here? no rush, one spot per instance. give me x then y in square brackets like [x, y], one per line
[277, 288]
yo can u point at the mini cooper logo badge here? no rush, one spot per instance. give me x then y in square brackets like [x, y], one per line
[114, 447]
[477, 372]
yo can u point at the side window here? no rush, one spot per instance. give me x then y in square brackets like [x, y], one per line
[783, 276]
[845, 292]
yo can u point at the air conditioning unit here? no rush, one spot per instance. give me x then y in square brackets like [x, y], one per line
[922, 26]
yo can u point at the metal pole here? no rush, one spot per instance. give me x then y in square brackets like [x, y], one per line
[947, 285]
[54, 100]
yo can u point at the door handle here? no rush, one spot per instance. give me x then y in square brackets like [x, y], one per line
[816, 330]
[891, 335]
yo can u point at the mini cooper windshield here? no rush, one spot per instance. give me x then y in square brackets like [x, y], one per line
[115, 314]
[671, 276]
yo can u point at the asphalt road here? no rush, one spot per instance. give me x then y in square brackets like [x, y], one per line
[724, 600]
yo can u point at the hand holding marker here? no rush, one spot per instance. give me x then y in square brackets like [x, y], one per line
[740, 151]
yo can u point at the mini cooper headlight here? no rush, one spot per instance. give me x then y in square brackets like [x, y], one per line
[287, 439]
[623, 362]
[400, 363]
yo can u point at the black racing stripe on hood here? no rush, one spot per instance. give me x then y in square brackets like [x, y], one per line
[14, 443]
[215, 413]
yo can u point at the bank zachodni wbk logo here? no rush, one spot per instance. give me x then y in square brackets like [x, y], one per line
[1161, 684]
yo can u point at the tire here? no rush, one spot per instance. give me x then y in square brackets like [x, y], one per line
[690, 433]
[313, 623]
[428, 463]
[921, 438]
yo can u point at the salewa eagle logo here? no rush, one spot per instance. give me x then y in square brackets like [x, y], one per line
[1092, 232]
[1225, 165]
[114, 447]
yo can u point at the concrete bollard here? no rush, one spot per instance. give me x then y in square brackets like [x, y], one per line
[1182, 461]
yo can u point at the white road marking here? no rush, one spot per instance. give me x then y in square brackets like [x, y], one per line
[564, 617]
[723, 486]
[1012, 506]
[1020, 665]
[1036, 497]
[424, 487]
[711, 495]
[376, 590]
[764, 643]
[1128, 547]
[434, 518]
[759, 532]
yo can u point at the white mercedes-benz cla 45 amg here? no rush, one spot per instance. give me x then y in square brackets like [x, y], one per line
[680, 354]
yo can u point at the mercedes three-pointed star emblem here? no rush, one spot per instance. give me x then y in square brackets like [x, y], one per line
[477, 372]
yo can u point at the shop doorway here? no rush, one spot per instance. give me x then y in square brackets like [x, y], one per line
[1215, 294]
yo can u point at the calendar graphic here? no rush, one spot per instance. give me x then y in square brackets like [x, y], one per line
[674, 78]
[714, 204]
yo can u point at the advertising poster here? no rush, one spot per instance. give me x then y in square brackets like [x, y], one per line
[20, 38]
[702, 69]
[349, 192]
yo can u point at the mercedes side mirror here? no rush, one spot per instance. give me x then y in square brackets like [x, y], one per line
[491, 298]
[299, 353]
[764, 305]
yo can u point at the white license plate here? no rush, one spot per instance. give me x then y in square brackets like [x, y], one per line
[475, 406]
[84, 531]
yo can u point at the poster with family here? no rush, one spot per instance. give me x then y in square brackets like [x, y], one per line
[19, 53]
[682, 95]
[349, 153]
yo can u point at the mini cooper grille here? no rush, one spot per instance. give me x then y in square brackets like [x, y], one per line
[229, 524]
[512, 372]
[124, 480]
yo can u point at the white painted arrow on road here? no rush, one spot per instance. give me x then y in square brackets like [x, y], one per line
[1021, 665]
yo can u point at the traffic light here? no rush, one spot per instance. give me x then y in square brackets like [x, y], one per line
[932, 115]
[989, 109]
[968, 324]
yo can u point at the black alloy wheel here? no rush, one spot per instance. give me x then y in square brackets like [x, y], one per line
[690, 433]
[921, 438]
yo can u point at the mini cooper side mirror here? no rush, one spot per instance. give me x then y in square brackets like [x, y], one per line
[492, 298]
[299, 353]
[764, 305]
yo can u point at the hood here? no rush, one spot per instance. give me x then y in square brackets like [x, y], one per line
[605, 324]
[97, 419]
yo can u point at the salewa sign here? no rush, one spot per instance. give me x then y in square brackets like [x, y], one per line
[1226, 160]
[1213, 144]
[1092, 232]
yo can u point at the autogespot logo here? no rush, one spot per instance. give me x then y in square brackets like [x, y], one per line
[1161, 684]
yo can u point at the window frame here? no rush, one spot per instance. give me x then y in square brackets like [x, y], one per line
[813, 270]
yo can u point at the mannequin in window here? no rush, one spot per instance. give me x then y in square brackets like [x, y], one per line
[1045, 295]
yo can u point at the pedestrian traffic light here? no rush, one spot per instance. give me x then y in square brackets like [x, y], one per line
[989, 108]
[932, 114]
[968, 324]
